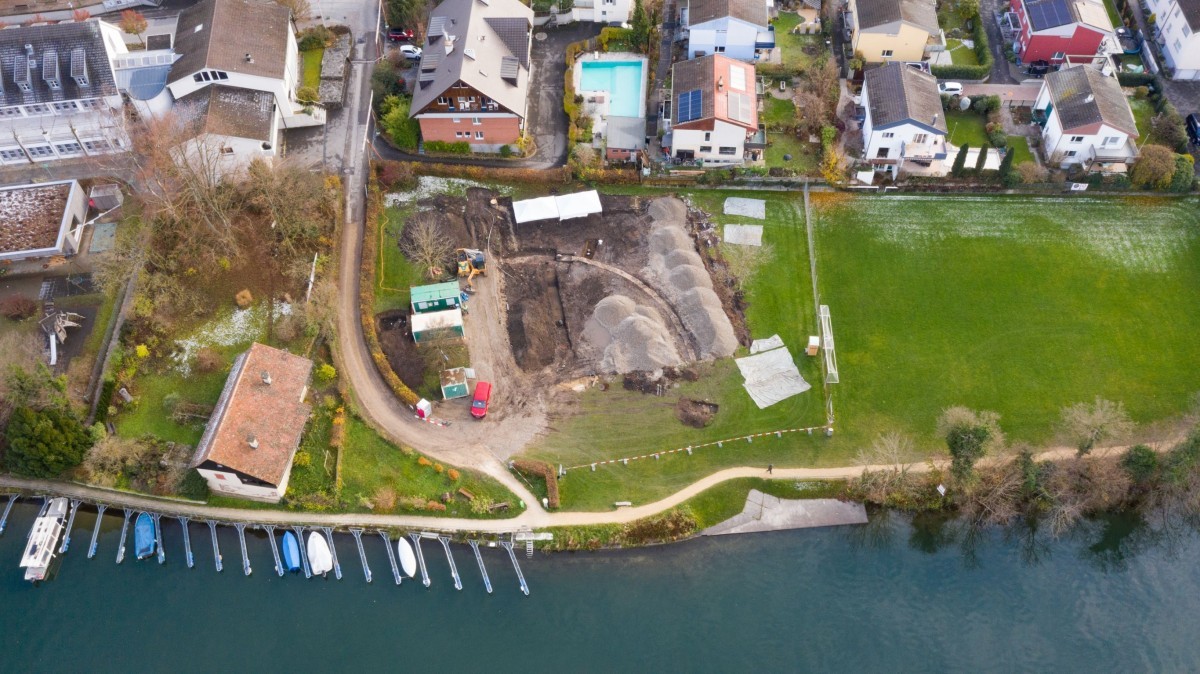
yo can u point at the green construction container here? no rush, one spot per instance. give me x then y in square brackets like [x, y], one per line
[435, 297]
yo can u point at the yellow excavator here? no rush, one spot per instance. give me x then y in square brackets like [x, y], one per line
[471, 263]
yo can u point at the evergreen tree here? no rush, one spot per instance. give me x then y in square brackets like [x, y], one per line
[981, 160]
[960, 161]
[1006, 169]
[44, 443]
[639, 26]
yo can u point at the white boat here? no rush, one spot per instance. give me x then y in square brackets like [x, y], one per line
[43, 539]
[319, 558]
[408, 558]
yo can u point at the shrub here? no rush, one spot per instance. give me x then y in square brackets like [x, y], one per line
[17, 307]
[960, 161]
[244, 299]
[44, 443]
[385, 499]
[1007, 176]
[1141, 92]
[317, 37]
[422, 461]
[302, 459]
[307, 94]
[1185, 167]
[981, 160]
[1154, 169]
[326, 373]
[1032, 173]
[998, 138]
[1135, 79]
[439, 468]
[453, 474]
[506, 151]
[443, 147]
[403, 131]
[435, 506]
[209, 359]
[411, 502]
[546, 472]
[397, 175]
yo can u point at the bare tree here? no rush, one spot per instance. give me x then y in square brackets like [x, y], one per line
[889, 454]
[426, 244]
[301, 9]
[1087, 424]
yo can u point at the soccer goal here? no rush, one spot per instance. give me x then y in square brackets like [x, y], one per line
[831, 369]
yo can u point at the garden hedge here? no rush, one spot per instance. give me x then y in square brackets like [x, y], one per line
[982, 52]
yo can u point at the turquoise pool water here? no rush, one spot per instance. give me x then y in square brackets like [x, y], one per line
[621, 79]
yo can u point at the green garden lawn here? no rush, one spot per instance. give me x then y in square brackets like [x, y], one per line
[804, 155]
[311, 59]
[1019, 146]
[966, 128]
[1018, 305]
[778, 113]
[961, 55]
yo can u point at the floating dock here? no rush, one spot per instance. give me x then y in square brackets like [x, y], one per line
[487, 582]
[162, 554]
[416, 539]
[507, 545]
[212, 530]
[12, 498]
[270, 529]
[445, 541]
[124, 530]
[100, 508]
[387, 545]
[66, 541]
[337, 567]
[362, 554]
[299, 531]
[187, 542]
[241, 529]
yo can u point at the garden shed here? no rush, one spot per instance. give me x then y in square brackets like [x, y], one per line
[435, 297]
[436, 325]
[454, 383]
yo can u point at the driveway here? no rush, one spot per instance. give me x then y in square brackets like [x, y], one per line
[546, 121]
[1000, 70]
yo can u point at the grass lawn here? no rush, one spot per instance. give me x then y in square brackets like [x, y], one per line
[967, 128]
[779, 302]
[805, 156]
[149, 417]
[1020, 146]
[797, 50]
[778, 113]
[961, 55]
[1113, 15]
[311, 76]
[1143, 112]
[1016, 305]
[395, 274]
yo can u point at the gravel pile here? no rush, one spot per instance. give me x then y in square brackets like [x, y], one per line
[632, 337]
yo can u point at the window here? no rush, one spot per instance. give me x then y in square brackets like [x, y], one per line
[1059, 55]
[98, 145]
[477, 121]
[198, 77]
[1076, 139]
[225, 149]
[1178, 44]
[888, 134]
[478, 135]
[921, 138]
[727, 150]
[887, 53]
[457, 120]
[37, 109]
[442, 100]
[1187, 30]
[707, 136]
[462, 100]
[65, 106]
[883, 153]
[40, 151]
[470, 99]
[458, 134]
[706, 148]
[1071, 153]
[1111, 140]
[68, 148]
[720, 49]
[10, 112]
[11, 154]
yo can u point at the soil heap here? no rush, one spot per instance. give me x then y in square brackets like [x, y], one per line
[633, 337]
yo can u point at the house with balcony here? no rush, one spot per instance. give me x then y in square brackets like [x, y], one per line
[1055, 30]
[737, 29]
[237, 61]
[713, 116]
[1177, 32]
[602, 11]
[58, 94]
[473, 78]
[1086, 121]
[904, 124]
[894, 30]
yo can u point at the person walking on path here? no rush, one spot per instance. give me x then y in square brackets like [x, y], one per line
[770, 468]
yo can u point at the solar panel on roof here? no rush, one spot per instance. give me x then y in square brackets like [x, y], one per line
[739, 107]
[690, 107]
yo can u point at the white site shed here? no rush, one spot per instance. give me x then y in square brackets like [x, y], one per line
[563, 207]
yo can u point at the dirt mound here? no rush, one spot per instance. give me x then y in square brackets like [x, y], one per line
[695, 413]
[632, 336]
[668, 210]
[701, 311]
[687, 277]
[666, 239]
[683, 256]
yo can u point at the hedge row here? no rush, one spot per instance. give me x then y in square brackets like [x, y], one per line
[546, 472]
[982, 52]
[443, 147]
[1136, 79]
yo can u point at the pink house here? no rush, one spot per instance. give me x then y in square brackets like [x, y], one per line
[1053, 30]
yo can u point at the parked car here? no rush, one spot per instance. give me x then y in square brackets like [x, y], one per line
[1039, 68]
[410, 52]
[399, 35]
[479, 403]
[1193, 128]
[950, 88]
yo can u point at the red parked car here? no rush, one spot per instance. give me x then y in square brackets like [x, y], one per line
[399, 35]
[479, 403]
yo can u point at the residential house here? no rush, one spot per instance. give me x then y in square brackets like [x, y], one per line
[1055, 30]
[893, 30]
[473, 79]
[251, 438]
[624, 138]
[739, 29]
[1177, 30]
[904, 120]
[238, 48]
[42, 220]
[601, 11]
[1086, 120]
[713, 111]
[58, 95]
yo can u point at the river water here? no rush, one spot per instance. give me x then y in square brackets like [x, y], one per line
[887, 597]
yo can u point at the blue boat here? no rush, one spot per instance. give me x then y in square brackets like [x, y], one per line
[143, 536]
[291, 552]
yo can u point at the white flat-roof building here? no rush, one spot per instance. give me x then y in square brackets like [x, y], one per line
[41, 220]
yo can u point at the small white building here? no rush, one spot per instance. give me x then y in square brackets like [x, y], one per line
[1178, 33]
[904, 119]
[713, 116]
[739, 29]
[251, 438]
[42, 220]
[1086, 121]
[602, 11]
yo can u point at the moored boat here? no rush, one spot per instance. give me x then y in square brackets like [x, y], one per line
[291, 552]
[319, 558]
[143, 536]
[43, 539]
[408, 558]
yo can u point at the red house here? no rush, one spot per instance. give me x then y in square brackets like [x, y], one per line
[1052, 30]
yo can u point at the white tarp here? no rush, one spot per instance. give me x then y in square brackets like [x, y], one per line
[751, 208]
[542, 208]
[745, 235]
[437, 320]
[578, 205]
[771, 376]
[760, 345]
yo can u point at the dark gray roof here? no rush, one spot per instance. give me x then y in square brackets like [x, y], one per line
[69, 49]
[750, 11]
[1083, 96]
[875, 13]
[898, 93]
[626, 133]
[513, 31]
[693, 75]
[219, 34]
[229, 111]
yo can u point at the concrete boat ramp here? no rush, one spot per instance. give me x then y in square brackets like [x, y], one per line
[764, 512]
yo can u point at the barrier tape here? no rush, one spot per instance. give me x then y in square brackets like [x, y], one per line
[689, 448]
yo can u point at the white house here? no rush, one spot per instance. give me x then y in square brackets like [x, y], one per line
[713, 111]
[58, 95]
[247, 45]
[1177, 30]
[251, 438]
[42, 220]
[602, 11]
[904, 120]
[1086, 120]
[739, 29]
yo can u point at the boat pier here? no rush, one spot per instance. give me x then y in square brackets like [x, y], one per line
[299, 531]
[337, 567]
[416, 539]
[241, 529]
[12, 498]
[270, 528]
[507, 545]
[100, 508]
[187, 542]
[445, 541]
[387, 545]
[66, 542]
[162, 554]
[124, 529]
[487, 582]
[212, 529]
[362, 554]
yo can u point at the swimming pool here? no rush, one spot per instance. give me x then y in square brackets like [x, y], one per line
[621, 79]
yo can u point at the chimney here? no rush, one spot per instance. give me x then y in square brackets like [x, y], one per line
[935, 118]
[249, 58]
[29, 51]
[266, 377]
[252, 441]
